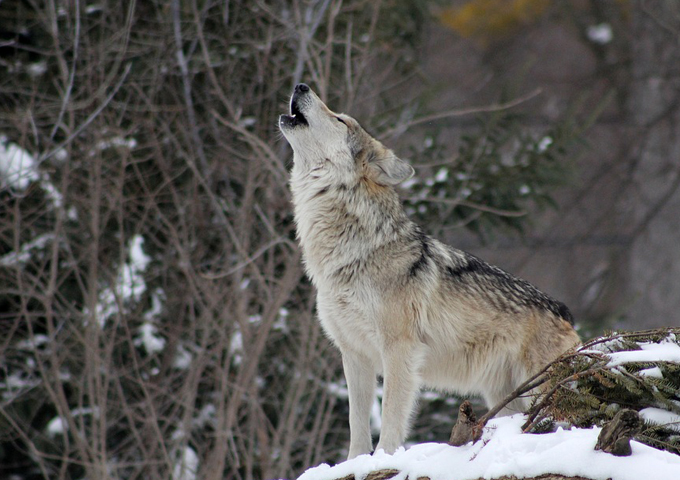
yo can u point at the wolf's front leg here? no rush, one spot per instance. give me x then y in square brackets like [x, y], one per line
[401, 363]
[360, 377]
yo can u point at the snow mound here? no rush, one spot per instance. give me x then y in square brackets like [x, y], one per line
[505, 450]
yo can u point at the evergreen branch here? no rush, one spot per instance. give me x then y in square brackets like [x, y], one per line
[531, 422]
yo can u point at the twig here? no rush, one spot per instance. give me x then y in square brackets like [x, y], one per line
[69, 87]
[527, 386]
[89, 119]
[311, 21]
[534, 381]
[186, 84]
[248, 261]
[459, 112]
[536, 410]
[465, 203]
[258, 145]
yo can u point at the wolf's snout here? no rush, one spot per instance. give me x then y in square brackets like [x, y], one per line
[298, 101]
[301, 88]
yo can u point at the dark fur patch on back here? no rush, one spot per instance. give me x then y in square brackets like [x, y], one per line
[503, 290]
[564, 312]
[425, 254]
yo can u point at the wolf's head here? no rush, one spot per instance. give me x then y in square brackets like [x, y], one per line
[324, 140]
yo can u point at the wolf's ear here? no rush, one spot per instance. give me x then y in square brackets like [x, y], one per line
[390, 170]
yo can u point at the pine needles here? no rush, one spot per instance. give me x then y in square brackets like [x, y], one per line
[635, 370]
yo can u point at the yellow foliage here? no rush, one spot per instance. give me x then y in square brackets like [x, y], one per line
[484, 20]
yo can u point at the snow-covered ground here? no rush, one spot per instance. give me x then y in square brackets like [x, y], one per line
[505, 450]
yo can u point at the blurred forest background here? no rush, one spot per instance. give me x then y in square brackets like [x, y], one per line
[155, 321]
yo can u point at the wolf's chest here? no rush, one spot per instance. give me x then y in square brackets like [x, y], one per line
[350, 324]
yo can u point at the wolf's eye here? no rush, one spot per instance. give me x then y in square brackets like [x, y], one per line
[341, 120]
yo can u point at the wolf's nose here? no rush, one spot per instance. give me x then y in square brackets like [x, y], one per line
[301, 88]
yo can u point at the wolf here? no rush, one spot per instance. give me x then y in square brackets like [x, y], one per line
[395, 301]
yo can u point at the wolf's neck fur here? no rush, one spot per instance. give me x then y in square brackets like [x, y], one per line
[340, 221]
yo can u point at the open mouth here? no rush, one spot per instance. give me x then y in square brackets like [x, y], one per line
[296, 113]
[296, 117]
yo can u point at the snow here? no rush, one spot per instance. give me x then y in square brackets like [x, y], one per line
[15, 385]
[149, 338]
[601, 34]
[408, 184]
[148, 332]
[338, 390]
[17, 166]
[36, 69]
[654, 372]
[661, 417]
[129, 285]
[116, 142]
[32, 343]
[25, 251]
[206, 416]
[18, 169]
[56, 426]
[94, 8]
[236, 347]
[504, 450]
[138, 258]
[186, 466]
[544, 144]
[651, 352]
[442, 175]
[182, 359]
[247, 121]
[281, 322]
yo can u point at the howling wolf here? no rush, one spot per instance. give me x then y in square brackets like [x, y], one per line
[395, 301]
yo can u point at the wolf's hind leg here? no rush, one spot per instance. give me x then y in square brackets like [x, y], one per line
[360, 377]
[501, 389]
